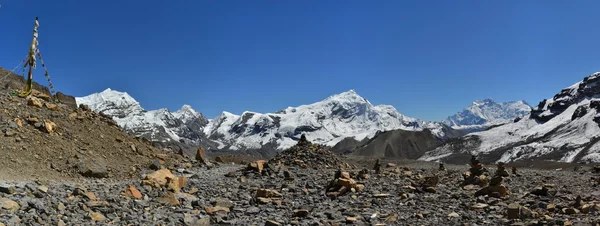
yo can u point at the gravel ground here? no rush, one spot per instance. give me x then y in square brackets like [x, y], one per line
[216, 196]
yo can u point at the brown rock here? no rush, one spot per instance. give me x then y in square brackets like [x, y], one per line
[268, 193]
[345, 175]
[360, 187]
[586, 208]
[215, 209]
[19, 122]
[263, 200]
[49, 126]
[90, 195]
[301, 213]
[51, 107]
[134, 192]
[201, 156]
[33, 101]
[430, 189]
[169, 198]
[158, 178]
[95, 216]
[182, 181]
[9, 205]
[551, 207]
[348, 183]
[389, 165]
[513, 211]
[381, 195]
[351, 220]
[257, 166]
[570, 211]
[173, 185]
[40, 95]
[392, 218]
[97, 204]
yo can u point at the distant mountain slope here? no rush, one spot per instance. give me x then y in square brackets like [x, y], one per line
[325, 122]
[399, 144]
[485, 113]
[564, 128]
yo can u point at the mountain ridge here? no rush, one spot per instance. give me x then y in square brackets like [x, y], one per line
[482, 114]
[564, 128]
[328, 121]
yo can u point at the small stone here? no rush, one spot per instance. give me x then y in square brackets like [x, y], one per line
[95, 216]
[61, 207]
[43, 188]
[453, 214]
[94, 170]
[216, 209]
[51, 107]
[301, 213]
[9, 205]
[134, 192]
[8, 189]
[381, 195]
[221, 202]
[272, 223]
[513, 211]
[169, 199]
[570, 211]
[49, 126]
[267, 193]
[34, 101]
[351, 220]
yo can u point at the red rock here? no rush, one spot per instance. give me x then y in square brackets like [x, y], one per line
[134, 192]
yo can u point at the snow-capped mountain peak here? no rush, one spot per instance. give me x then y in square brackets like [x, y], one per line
[112, 102]
[484, 113]
[186, 112]
[329, 121]
[564, 128]
[483, 102]
[156, 125]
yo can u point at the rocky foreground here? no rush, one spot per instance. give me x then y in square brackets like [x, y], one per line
[204, 192]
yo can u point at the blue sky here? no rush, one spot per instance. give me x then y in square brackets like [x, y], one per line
[429, 59]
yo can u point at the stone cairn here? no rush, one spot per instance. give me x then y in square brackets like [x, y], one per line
[475, 174]
[308, 155]
[441, 167]
[501, 171]
[342, 184]
[494, 189]
[363, 174]
[377, 167]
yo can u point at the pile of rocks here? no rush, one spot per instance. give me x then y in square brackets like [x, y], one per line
[308, 155]
[342, 184]
[474, 176]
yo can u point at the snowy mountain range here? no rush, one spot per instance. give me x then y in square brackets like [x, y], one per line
[485, 113]
[184, 125]
[325, 122]
[564, 128]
